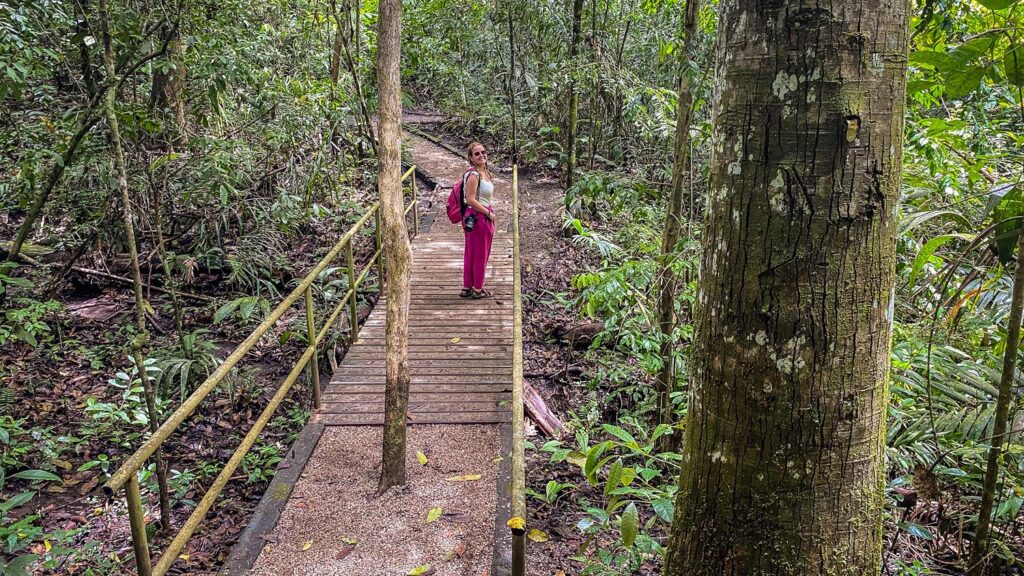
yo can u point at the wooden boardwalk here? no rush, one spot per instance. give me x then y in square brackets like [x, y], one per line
[460, 349]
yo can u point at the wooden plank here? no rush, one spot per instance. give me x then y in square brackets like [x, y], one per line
[418, 419]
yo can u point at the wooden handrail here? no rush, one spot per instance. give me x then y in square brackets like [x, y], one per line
[126, 475]
[518, 482]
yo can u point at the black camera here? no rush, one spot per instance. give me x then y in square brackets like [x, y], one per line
[469, 222]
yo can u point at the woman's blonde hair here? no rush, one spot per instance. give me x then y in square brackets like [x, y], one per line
[469, 149]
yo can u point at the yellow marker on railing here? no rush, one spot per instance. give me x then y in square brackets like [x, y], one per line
[127, 474]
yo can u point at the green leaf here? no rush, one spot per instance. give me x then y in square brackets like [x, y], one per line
[664, 508]
[1007, 202]
[963, 81]
[933, 58]
[593, 456]
[917, 530]
[422, 570]
[1013, 65]
[621, 434]
[19, 566]
[15, 501]
[996, 4]
[629, 525]
[37, 476]
[614, 476]
[929, 249]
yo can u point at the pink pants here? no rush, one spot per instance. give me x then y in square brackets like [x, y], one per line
[478, 250]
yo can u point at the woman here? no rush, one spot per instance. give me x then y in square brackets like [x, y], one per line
[479, 188]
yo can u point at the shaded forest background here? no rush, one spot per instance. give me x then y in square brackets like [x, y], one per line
[247, 136]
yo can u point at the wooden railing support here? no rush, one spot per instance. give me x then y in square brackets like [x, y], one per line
[314, 366]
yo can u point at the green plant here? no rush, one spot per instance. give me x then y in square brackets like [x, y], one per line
[551, 492]
[24, 319]
[260, 463]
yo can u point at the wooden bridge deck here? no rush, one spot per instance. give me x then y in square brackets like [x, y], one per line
[460, 349]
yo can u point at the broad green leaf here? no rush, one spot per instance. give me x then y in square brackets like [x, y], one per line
[37, 476]
[1013, 65]
[929, 249]
[962, 81]
[421, 457]
[996, 4]
[434, 514]
[15, 501]
[628, 475]
[621, 434]
[664, 508]
[916, 219]
[19, 566]
[629, 524]
[933, 58]
[422, 570]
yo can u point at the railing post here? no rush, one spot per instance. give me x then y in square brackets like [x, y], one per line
[137, 521]
[314, 362]
[415, 209]
[353, 313]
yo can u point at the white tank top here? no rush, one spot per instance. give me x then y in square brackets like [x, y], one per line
[484, 190]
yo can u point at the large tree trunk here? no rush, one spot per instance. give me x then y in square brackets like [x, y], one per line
[671, 234]
[397, 256]
[782, 469]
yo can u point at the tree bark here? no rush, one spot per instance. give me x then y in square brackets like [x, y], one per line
[139, 341]
[782, 469]
[397, 256]
[671, 233]
[574, 98]
[979, 551]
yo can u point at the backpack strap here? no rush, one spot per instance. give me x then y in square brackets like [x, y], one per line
[462, 195]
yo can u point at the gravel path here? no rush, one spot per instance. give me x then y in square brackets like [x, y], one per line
[335, 502]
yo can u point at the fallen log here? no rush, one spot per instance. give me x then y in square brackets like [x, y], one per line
[578, 336]
[538, 411]
[130, 282]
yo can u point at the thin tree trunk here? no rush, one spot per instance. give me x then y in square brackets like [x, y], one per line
[139, 342]
[337, 44]
[511, 81]
[397, 256]
[980, 550]
[574, 97]
[360, 98]
[783, 468]
[671, 233]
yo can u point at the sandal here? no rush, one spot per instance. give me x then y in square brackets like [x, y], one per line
[481, 294]
[466, 293]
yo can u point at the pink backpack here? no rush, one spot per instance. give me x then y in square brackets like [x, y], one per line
[457, 199]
